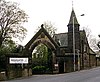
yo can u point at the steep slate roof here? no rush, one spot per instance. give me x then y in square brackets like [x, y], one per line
[71, 18]
[62, 38]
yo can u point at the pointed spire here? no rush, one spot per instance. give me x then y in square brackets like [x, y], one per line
[71, 18]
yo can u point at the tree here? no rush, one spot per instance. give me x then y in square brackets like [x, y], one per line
[98, 44]
[40, 55]
[11, 19]
[8, 47]
[93, 43]
[92, 40]
[49, 28]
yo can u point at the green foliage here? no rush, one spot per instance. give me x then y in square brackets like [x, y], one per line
[42, 51]
[18, 49]
[39, 62]
[8, 47]
[42, 59]
[39, 69]
[40, 56]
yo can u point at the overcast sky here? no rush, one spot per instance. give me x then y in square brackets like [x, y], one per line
[58, 12]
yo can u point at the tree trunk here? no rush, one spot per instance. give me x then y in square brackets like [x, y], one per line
[1, 40]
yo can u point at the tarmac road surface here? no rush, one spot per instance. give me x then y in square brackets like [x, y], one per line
[92, 75]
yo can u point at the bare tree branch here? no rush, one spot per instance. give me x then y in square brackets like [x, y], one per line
[11, 19]
[92, 40]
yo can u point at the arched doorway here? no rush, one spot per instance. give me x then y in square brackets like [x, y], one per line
[42, 59]
[42, 37]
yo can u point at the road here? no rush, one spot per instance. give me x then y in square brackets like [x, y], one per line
[92, 75]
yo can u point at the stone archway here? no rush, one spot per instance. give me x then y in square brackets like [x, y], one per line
[43, 41]
[51, 53]
[41, 37]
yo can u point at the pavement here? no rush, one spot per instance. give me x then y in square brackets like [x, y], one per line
[91, 75]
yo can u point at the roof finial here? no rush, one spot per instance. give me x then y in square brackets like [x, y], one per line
[42, 25]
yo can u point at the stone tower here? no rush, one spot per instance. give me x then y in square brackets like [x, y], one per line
[73, 23]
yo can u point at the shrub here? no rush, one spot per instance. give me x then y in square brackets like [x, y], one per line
[39, 69]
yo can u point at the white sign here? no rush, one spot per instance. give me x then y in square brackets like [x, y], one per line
[18, 60]
[56, 65]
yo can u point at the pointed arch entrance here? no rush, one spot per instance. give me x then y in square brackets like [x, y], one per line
[42, 37]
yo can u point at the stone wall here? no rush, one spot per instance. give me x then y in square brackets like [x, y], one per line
[3, 75]
[11, 74]
[92, 60]
[98, 61]
[26, 72]
[14, 73]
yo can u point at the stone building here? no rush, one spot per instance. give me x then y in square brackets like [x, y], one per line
[60, 47]
[85, 57]
[98, 58]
